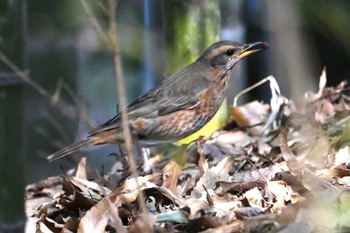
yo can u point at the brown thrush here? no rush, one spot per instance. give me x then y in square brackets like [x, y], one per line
[178, 106]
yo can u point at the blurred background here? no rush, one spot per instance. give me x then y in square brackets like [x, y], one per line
[58, 47]
[64, 82]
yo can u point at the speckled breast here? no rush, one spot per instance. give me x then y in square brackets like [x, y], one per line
[182, 123]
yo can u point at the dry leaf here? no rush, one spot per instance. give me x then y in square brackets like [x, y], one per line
[95, 220]
[213, 175]
[251, 114]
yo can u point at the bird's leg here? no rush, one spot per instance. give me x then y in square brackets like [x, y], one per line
[174, 168]
[143, 154]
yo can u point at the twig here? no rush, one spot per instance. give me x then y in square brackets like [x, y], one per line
[112, 5]
[60, 104]
[94, 22]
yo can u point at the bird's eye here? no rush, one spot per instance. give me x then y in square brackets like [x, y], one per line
[230, 52]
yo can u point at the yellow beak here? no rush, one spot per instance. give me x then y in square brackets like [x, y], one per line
[253, 48]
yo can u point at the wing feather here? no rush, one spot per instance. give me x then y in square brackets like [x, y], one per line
[178, 92]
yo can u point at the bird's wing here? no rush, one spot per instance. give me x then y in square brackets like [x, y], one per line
[179, 91]
[175, 93]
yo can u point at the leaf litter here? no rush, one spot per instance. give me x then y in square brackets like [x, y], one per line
[278, 167]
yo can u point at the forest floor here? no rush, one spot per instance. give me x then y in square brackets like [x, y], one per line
[278, 167]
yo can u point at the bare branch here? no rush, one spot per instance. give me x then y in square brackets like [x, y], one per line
[113, 38]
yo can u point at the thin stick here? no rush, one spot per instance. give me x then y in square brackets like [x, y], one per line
[235, 100]
[60, 104]
[94, 22]
[112, 5]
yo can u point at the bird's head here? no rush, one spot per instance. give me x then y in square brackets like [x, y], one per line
[225, 54]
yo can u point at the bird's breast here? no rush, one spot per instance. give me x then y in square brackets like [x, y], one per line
[181, 123]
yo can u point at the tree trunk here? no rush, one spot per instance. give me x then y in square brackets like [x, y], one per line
[12, 218]
[190, 27]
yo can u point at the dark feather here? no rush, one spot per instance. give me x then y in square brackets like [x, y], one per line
[71, 149]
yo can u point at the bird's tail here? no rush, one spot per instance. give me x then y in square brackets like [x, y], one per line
[72, 148]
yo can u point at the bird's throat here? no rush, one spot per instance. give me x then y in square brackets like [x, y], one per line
[224, 81]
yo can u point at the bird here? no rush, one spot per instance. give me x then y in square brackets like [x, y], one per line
[179, 106]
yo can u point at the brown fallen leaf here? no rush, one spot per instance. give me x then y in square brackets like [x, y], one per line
[81, 170]
[292, 181]
[251, 114]
[301, 172]
[261, 174]
[114, 218]
[45, 224]
[237, 187]
[217, 173]
[235, 226]
[96, 219]
[132, 187]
